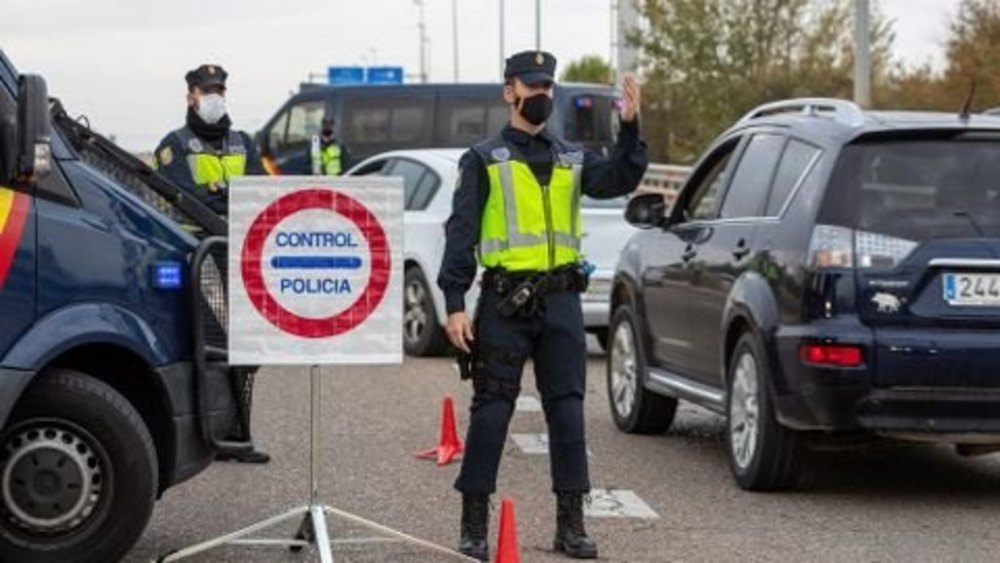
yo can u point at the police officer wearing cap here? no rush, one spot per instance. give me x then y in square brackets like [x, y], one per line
[202, 156]
[329, 156]
[517, 205]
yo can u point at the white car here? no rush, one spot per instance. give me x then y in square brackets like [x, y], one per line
[429, 177]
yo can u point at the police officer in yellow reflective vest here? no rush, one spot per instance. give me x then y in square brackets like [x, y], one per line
[202, 156]
[329, 156]
[518, 204]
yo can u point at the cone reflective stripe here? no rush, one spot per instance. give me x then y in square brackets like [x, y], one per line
[508, 550]
[449, 446]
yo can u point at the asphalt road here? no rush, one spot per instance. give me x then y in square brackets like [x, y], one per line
[879, 503]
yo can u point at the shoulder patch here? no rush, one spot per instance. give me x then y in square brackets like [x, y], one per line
[500, 154]
[165, 156]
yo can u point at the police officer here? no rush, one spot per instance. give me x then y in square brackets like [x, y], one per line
[329, 156]
[518, 204]
[201, 157]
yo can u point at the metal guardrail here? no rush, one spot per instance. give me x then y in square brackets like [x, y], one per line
[664, 178]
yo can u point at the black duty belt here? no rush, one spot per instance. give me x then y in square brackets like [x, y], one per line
[564, 278]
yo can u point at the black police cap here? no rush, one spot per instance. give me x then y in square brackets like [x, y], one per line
[206, 76]
[531, 67]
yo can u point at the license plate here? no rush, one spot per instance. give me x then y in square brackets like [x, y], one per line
[981, 290]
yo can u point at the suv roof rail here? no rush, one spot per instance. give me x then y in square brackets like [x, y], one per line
[844, 111]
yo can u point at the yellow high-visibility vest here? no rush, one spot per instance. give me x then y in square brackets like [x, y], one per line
[527, 226]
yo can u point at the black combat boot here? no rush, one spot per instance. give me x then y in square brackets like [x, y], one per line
[571, 537]
[475, 513]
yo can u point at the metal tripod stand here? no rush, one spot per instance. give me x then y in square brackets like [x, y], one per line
[313, 528]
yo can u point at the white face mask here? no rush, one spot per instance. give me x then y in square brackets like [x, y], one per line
[211, 108]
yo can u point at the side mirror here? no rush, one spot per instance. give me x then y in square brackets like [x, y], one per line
[646, 211]
[34, 141]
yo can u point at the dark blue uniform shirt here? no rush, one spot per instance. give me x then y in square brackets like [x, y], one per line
[603, 178]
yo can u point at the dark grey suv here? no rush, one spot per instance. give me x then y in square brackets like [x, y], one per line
[823, 270]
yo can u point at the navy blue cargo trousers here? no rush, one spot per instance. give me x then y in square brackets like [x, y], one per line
[552, 336]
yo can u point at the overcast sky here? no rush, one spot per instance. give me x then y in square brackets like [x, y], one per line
[122, 62]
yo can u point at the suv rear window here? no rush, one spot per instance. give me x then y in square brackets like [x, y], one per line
[917, 190]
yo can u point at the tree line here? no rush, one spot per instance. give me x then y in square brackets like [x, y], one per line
[705, 63]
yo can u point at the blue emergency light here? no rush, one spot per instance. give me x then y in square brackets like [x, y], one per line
[584, 102]
[167, 275]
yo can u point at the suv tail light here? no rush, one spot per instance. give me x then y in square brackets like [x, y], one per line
[841, 247]
[832, 355]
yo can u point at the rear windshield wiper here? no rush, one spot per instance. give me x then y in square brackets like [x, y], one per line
[972, 221]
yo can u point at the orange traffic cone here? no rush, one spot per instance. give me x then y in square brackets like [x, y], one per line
[449, 446]
[507, 548]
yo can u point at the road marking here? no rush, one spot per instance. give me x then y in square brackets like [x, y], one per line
[535, 444]
[617, 503]
[528, 404]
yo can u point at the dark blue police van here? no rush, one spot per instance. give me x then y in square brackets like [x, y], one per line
[371, 119]
[113, 382]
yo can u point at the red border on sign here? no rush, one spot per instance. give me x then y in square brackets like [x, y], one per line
[252, 263]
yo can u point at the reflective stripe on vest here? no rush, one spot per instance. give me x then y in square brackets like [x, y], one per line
[214, 168]
[526, 226]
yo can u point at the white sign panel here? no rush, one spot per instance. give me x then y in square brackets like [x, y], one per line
[315, 270]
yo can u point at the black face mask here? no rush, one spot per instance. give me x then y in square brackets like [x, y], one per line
[327, 133]
[536, 109]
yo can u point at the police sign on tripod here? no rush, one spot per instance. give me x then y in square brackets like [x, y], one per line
[315, 278]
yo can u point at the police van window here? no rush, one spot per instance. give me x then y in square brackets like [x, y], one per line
[497, 117]
[410, 123]
[796, 162]
[304, 122]
[369, 120]
[590, 118]
[276, 136]
[752, 178]
[462, 122]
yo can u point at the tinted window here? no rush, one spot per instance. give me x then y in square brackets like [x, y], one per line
[466, 121]
[276, 136]
[425, 191]
[795, 163]
[374, 118]
[374, 167]
[752, 178]
[590, 119]
[409, 124]
[304, 122]
[708, 182]
[917, 190]
[412, 173]
[368, 120]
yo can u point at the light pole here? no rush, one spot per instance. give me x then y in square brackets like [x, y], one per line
[454, 35]
[862, 55]
[503, 49]
[538, 25]
[423, 41]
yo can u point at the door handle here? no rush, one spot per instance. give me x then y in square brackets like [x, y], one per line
[689, 253]
[741, 250]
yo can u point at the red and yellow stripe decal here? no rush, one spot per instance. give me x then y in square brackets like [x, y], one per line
[13, 215]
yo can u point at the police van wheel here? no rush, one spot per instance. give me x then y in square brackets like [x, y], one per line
[78, 473]
[422, 334]
[634, 408]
